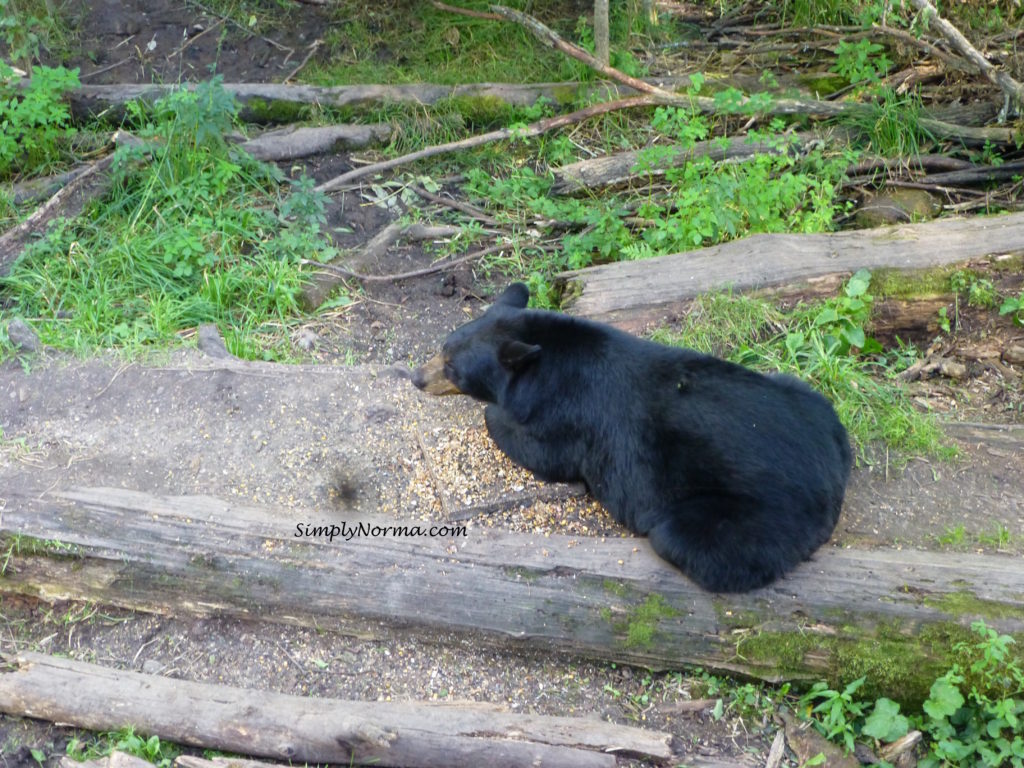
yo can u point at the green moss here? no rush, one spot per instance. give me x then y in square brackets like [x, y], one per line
[898, 662]
[822, 83]
[480, 110]
[964, 603]
[616, 588]
[643, 621]
[522, 573]
[731, 618]
[256, 110]
[916, 284]
[638, 628]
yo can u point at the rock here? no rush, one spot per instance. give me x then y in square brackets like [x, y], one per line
[897, 206]
[22, 336]
[211, 343]
[953, 369]
[1014, 354]
[307, 340]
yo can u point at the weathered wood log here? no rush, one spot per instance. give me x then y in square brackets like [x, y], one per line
[621, 291]
[596, 597]
[293, 142]
[620, 167]
[311, 730]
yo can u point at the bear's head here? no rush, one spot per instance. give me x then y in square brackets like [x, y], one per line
[480, 358]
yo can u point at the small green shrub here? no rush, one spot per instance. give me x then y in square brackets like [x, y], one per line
[34, 121]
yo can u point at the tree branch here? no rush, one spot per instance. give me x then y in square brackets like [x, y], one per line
[1014, 91]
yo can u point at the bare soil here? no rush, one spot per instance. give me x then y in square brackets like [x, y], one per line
[291, 437]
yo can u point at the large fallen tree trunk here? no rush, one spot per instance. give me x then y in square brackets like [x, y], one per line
[622, 291]
[275, 102]
[312, 730]
[595, 597]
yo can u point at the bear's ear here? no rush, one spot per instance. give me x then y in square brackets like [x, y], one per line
[516, 295]
[513, 355]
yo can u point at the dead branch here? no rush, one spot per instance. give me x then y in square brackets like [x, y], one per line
[303, 729]
[439, 266]
[622, 167]
[809, 107]
[1013, 90]
[531, 130]
[465, 11]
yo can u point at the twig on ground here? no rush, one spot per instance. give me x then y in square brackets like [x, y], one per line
[305, 59]
[439, 266]
[458, 205]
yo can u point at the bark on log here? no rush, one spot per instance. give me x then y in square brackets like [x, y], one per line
[293, 142]
[199, 555]
[273, 102]
[622, 291]
[309, 730]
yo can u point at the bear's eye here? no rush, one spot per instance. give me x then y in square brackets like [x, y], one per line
[449, 371]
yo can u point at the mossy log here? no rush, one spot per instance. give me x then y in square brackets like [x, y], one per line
[636, 293]
[303, 729]
[895, 613]
[280, 103]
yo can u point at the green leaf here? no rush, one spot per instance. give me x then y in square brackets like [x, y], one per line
[854, 336]
[944, 699]
[886, 723]
[858, 284]
[718, 710]
[827, 315]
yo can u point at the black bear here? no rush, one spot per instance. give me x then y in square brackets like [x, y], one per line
[734, 476]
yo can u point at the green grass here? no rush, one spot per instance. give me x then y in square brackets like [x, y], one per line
[386, 43]
[193, 232]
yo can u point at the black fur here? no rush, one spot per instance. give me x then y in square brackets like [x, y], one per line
[734, 476]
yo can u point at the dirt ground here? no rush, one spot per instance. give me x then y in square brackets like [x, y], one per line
[296, 437]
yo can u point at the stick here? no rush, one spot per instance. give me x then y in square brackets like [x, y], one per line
[810, 107]
[1014, 91]
[303, 729]
[533, 129]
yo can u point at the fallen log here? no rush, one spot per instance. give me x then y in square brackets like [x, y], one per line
[608, 598]
[622, 167]
[275, 102]
[623, 291]
[303, 729]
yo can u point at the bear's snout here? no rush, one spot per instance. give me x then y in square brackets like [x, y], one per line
[431, 379]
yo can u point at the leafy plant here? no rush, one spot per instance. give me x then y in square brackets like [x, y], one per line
[1014, 305]
[125, 740]
[34, 120]
[974, 713]
[838, 714]
[861, 61]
